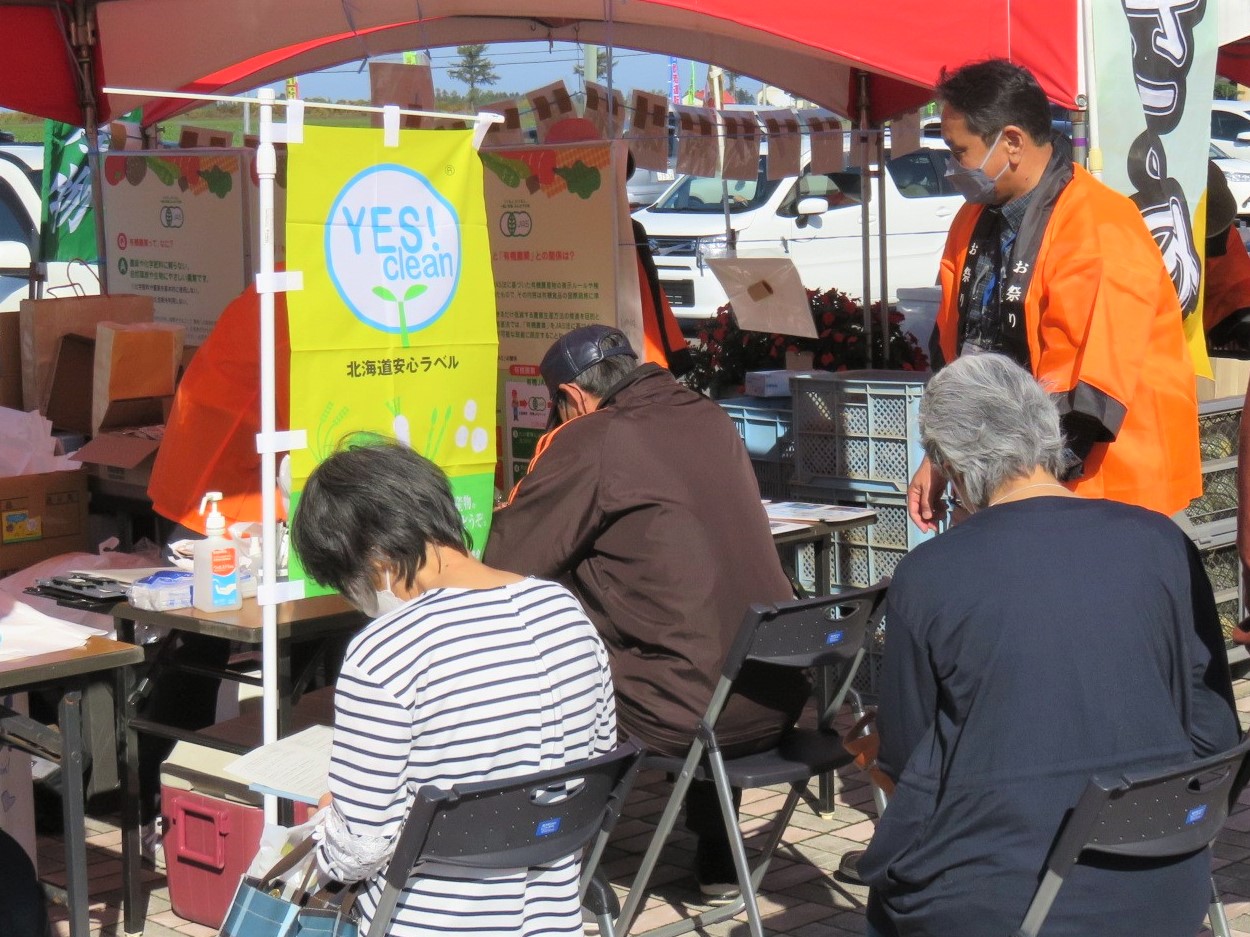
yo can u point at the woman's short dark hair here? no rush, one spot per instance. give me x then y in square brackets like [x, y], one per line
[994, 93]
[373, 501]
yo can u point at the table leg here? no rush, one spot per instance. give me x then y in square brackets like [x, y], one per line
[133, 910]
[286, 808]
[73, 811]
[824, 685]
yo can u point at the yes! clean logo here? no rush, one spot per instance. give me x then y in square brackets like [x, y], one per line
[393, 249]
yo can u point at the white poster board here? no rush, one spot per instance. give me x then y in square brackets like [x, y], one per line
[176, 222]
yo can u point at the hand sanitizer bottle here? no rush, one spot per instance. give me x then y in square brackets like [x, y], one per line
[216, 564]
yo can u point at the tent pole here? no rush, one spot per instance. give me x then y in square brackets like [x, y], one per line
[266, 171]
[883, 320]
[865, 196]
[1088, 88]
[82, 38]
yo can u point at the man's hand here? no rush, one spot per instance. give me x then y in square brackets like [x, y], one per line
[925, 506]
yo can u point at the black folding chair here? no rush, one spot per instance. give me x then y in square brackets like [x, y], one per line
[1147, 814]
[827, 631]
[512, 824]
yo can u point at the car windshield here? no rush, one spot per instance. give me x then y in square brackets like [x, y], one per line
[705, 194]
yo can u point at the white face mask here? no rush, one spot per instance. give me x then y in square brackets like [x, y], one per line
[384, 601]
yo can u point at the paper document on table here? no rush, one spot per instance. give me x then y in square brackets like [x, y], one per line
[296, 767]
[812, 511]
[27, 632]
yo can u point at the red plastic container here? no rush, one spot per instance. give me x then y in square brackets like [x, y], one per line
[213, 822]
[209, 843]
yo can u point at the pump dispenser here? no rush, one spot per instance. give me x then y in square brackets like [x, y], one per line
[216, 563]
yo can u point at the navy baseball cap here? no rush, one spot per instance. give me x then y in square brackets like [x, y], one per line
[576, 352]
[579, 350]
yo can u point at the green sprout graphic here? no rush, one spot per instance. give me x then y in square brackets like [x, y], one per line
[409, 294]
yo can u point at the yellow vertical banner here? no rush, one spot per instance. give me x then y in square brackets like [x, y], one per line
[394, 331]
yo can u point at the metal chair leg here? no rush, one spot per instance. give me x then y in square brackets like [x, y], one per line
[1216, 914]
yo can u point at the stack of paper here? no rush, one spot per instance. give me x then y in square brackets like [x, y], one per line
[296, 767]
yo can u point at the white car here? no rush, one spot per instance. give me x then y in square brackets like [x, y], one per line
[814, 219]
[21, 170]
[1230, 127]
[1237, 175]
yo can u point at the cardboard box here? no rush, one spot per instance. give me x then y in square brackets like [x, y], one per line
[41, 516]
[10, 360]
[121, 456]
[771, 383]
[135, 369]
[44, 321]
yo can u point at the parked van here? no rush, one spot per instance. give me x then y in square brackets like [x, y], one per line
[21, 174]
[812, 218]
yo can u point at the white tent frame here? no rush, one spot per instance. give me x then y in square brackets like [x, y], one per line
[269, 442]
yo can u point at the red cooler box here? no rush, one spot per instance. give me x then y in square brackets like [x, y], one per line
[213, 821]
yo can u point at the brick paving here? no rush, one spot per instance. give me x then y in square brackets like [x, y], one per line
[800, 898]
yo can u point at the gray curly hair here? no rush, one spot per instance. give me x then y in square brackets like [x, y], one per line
[985, 421]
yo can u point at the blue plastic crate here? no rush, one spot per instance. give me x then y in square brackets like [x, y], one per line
[773, 478]
[858, 425]
[764, 425]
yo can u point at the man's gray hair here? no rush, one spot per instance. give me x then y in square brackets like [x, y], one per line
[986, 420]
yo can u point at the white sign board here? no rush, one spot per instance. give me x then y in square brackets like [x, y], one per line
[177, 227]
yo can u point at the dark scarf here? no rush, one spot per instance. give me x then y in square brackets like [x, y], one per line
[1011, 276]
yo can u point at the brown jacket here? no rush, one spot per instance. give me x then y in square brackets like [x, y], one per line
[648, 510]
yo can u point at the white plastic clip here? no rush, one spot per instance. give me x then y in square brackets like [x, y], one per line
[279, 592]
[293, 129]
[485, 120]
[291, 440]
[390, 125]
[280, 281]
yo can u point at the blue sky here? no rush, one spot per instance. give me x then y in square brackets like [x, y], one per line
[520, 66]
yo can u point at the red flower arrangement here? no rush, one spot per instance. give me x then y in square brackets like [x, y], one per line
[725, 353]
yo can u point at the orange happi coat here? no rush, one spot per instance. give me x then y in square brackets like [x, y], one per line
[1104, 325]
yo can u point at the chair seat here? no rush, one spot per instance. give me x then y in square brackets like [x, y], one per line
[801, 754]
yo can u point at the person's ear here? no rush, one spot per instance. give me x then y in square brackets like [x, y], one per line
[577, 401]
[1014, 139]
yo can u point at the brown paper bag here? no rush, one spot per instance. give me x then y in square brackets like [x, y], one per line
[44, 321]
[136, 368]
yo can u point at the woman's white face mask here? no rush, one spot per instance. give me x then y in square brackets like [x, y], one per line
[384, 601]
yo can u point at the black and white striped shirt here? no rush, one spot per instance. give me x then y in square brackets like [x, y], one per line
[456, 686]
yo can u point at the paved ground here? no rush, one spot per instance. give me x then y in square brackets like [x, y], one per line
[800, 897]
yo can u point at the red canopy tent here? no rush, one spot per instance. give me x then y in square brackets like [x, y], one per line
[63, 52]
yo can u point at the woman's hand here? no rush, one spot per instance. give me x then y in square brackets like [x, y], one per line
[325, 800]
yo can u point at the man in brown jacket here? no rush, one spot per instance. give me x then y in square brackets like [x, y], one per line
[642, 501]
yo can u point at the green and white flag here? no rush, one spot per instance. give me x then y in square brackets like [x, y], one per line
[67, 230]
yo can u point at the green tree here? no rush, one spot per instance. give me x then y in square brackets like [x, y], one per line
[474, 69]
[1225, 90]
[731, 85]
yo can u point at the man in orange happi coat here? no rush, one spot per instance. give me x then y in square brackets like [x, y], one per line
[1058, 271]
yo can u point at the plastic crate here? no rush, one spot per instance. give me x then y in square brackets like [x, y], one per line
[1218, 500]
[858, 425]
[867, 680]
[1219, 423]
[861, 555]
[1222, 564]
[764, 425]
[773, 478]
[1228, 608]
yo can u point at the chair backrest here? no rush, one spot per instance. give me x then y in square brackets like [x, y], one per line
[1156, 813]
[814, 632]
[515, 823]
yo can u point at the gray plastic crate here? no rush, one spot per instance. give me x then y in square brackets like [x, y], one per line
[773, 478]
[1218, 500]
[1219, 422]
[764, 425]
[858, 425]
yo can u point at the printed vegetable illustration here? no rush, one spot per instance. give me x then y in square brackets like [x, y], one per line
[218, 180]
[582, 180]
[409, 294]
[330, 421]
[510, 171]
[432, 442]
[165, 170]
[399, 423]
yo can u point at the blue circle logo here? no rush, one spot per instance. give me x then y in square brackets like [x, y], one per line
[392, 246]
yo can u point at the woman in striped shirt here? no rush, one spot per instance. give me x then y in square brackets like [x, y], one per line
[467, 673]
